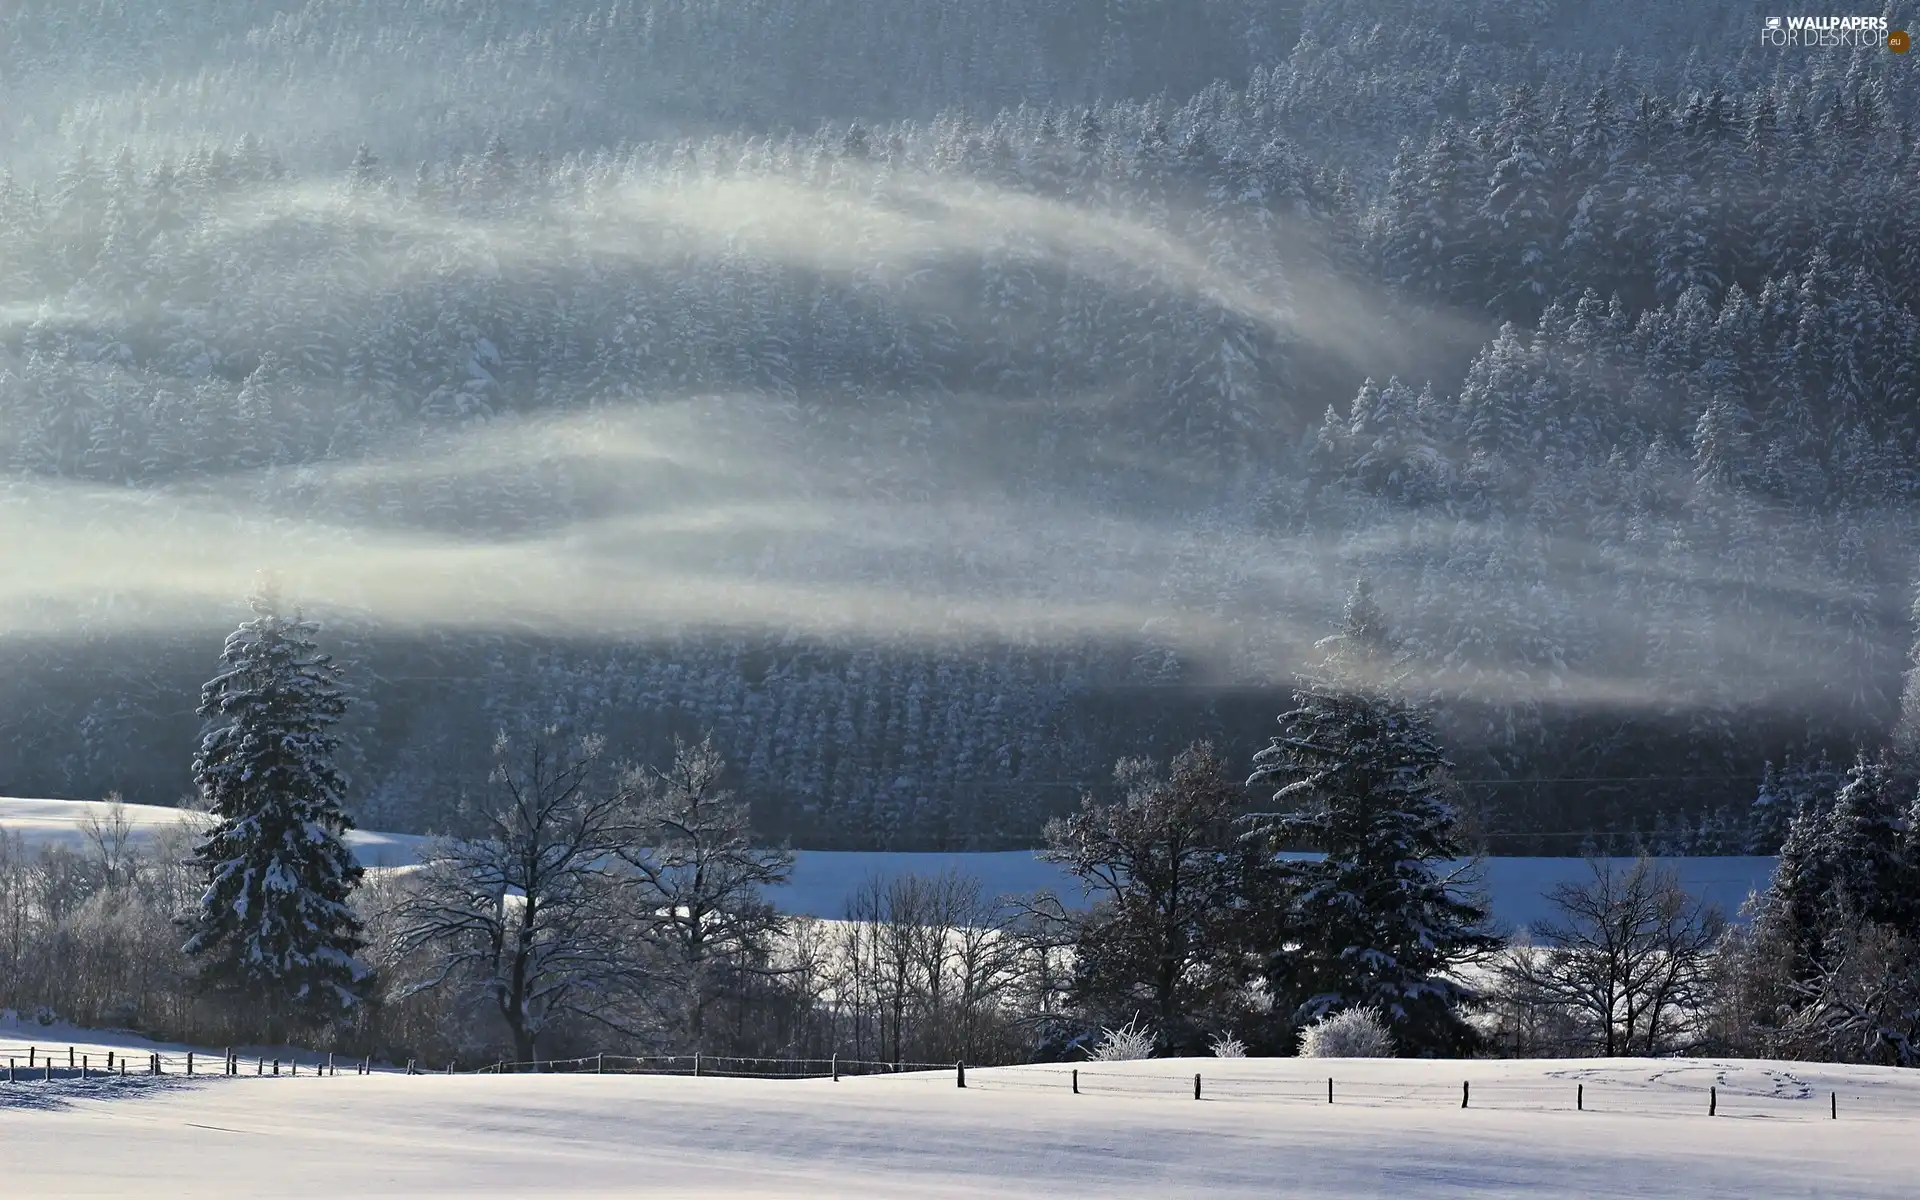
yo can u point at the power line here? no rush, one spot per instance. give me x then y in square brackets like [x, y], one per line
[1008, 784]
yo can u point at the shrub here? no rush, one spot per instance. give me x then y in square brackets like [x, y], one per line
[1228, 1046]
[1125, 1044]
[1351, 1033]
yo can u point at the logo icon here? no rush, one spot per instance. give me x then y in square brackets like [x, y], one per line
[1773, 23]
[1899, 42]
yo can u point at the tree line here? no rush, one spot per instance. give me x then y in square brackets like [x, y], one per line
[607, 907]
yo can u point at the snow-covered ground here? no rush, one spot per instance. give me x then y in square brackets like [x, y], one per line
[823, 879]
[1517, 887]
[62, 822]
[1264, 1128]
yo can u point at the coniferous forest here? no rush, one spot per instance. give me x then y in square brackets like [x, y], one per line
[937, 401]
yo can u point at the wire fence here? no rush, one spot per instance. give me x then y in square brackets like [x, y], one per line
[1673, 1088]
[27, 1062]
[1686, 1090]
[722, 1066]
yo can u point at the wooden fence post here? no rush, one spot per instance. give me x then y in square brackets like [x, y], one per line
[836, 1068]
[189, 1063]
[1329, 1089]
[1713, 1100]
[69, 1058]
[83, 1066]
[31, 1051]
[600, 1063]
[109, 1062]
[330, 1068]
[696, 1064]
[1834, 1100]
[1196, 1085]
[123, 1067]
[47, 1064]
[1076, 1081]
[961, 1069]
[1580, 1097]
[1464, 1085]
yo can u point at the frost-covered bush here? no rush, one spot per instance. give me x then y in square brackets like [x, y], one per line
[1228, 1046]
[1351, 1033]
[1125, 1044]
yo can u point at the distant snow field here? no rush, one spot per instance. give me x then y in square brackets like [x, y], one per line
[42, 822]
[1263, 1128]
[822, 879]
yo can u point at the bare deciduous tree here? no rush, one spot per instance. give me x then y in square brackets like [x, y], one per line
[1625, 966]
[1169, 875]
[110, 834]
[928, 968]
[698, 876]
[522, 914]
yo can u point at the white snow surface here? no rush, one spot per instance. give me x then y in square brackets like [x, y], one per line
[823, 879]
[1264, 1128]
[46, 822]
[1516, 888]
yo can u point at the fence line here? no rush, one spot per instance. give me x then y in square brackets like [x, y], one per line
[1571, 1094]
[719, 1065]
[35, 1061]
[1655, 1095]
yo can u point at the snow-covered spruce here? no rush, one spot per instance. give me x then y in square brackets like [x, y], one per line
[274, 925]
[1382, 918]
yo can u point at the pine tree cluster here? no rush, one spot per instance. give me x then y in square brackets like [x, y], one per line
[1831, 964]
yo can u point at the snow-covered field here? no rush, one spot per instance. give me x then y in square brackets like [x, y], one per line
[822, 879]
[1264, 1128]
[1516, 887]
[44, 822]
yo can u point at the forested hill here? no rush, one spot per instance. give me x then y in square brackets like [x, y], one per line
[938, 401]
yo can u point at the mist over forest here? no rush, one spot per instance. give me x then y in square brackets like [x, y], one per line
[939, 400]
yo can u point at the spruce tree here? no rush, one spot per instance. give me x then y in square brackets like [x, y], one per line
[1865, 837]
[273, 925]
[1801, 784]
[1793, 916]
[1381, 919]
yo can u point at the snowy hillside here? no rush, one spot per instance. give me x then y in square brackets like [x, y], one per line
[1517, 886]
[62, 822]
[1263, 1129]
[822, 879]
